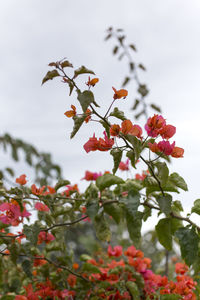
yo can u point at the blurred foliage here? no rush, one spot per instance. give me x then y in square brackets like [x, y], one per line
[45, 170]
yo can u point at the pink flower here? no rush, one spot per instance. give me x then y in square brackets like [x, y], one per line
[124, 166]
[166, 147]
[92, 144]
[13, 214]
[116, 251]
[102, 144]
[168, 131]
[41, 207]
[45, 237]
[89, 176]
[154, 125]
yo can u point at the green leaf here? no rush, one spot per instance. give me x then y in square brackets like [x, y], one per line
[82, 70]
[106, 126]
[13, 252]
[90, 268]
[142, 67]
[135, 104]
[117, 156]
[102, 228]
[92, 208]
[177, 206]
[27, 267]
[126, 81]
[61, 183]
[136, 143]
[178, 181]
[10, 171]
[163, 172]
[170, 297]
[78, 121]
[131, 155]
[92, 192]
[50, 75]
[131, 202]
[196, 207]
[133, 47]
[8, 297]
[115, 50]
[142, 90]
[164, 233]
[188, 240]
[114, 211]
[85, 257]
[31, 232]
[65, 64]
[133, 289]
[108, 180]
[152, 186]
[165, 203]
[134, 224]
[118, 114]
[155, 107]
[85, 98]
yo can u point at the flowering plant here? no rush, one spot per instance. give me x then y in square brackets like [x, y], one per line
[39, 250]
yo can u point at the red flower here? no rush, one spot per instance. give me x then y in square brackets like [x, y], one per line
[166, 147]
[39, 261]
[177, 152]
[41, 207]
[124, 166]
[181, 268]
[92, 144]
[167, 131]
[13, 214]
[127, 127]
[89, 176]
[70, 189]
[163, 146]
[116, 251]
[45, 237]
[71, 279]
[114, 130]
[106, 143]
[37, 191]
[102, 144]
[21, 179]
[154, 125]
[120, 93]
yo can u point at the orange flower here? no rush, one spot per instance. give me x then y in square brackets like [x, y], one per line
[129, 128]
[92, 82]
[120, 93]
[21, 179]
[71, 279]
[71, 113]
[177, 152]
[75, 266]
[88, 113]
[114, 130]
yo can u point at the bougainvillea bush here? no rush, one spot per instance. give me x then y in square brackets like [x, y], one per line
[37, 261]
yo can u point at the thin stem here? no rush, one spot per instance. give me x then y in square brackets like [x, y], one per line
[109, 108]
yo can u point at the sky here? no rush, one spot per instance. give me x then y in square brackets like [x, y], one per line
[34, 33]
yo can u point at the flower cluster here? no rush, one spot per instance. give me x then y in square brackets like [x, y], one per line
[99, 144]
[127, 127]
[122, 272]
[156, 126]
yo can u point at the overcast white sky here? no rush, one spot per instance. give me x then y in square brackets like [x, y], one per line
[34, 33]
